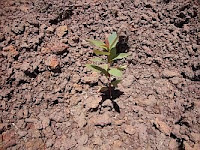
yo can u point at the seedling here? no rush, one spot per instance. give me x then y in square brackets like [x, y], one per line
[105, 65]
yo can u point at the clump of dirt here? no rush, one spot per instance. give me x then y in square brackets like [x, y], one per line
[49, 100]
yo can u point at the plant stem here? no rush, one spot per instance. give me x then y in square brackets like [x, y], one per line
[109, 80]
[110, 94]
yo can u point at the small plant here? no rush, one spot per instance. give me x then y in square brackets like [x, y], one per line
[106, 66]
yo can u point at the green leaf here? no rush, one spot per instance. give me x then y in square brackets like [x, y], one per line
[122, 67]
[98, 52]
[105, 66]
[113, 39]
[113, 52]
[103, 89]
[121, 55]
[96, 69]
[97, 43]
[115, 83]
[115, 72]
[96, 59]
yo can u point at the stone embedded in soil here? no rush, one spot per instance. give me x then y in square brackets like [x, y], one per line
[58, 116]
[128, 81]
[189, 147]
[97, 141]
[2, 37]
[22, 133]
[65, 143]
[18, 28]
[2, 127]
[169, 73]
[147, 50]
[58, 48]
[45, 50]
[81, 121]
[75, 78]
[91, 78]
[129, 129]
[9, 139]
[61, 31]
[92, 102]
[50, 30]
[101, 120]
[45, 121]
[162, 126]
[52, 62]
[10, 51]
[150, 101]
[83, 140]
[117, 145]
[173, 144]
[74, 100]
[35, 144]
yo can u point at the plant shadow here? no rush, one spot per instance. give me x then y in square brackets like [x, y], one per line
[114, 95]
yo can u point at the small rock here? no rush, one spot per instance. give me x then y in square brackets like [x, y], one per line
[173, 144]
[74, 100]
[75, 78]
[128, 81]
[81, 120]
[68, 143]
[58, 116]
[31, 120]
[45, 50]
[10, 143]
[50, 30]
[91, 79]
[52, 62]
[195, 136]
[84, 148]
[147, 50]
[25, 66]
[2, 127]
[175, 80]
[188, 147]
[43, 27]
[129, 129]
[58, 48]
[61, 31]
[22, 133]
[38, 125]
[107, 105]
[18, 28]
[49, 143]
[101, 120]
[119, 122]
[10, 51]
[83, 140]
[188, 73]
[84, 44]
[45, 121]
[169, 73]
[117, 145]
[2, 37]
[92, 102]
[97, 141]
[35, 144]
[162, 126]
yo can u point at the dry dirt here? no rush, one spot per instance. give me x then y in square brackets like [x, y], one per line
[49, 100]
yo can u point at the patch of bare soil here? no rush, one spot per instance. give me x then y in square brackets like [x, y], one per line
[49, 100]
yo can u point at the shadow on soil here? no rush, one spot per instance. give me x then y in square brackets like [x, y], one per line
[114, 95]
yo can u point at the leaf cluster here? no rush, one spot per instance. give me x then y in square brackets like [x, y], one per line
[108, 49]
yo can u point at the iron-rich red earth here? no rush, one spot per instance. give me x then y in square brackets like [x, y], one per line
[49, 100]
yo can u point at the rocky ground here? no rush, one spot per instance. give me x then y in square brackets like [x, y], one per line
[49, 100]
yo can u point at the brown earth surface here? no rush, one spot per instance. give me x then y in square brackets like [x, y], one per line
[49, 100]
